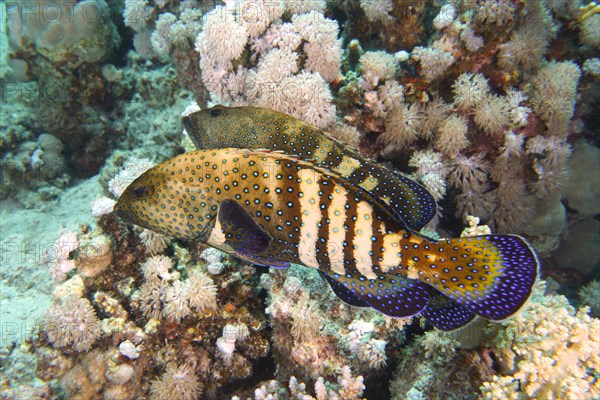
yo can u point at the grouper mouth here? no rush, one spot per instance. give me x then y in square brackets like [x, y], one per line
[122, 214]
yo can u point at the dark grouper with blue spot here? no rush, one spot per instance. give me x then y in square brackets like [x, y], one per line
[275, 209]
[262, 128]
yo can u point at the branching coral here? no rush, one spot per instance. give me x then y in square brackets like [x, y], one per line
[547, 351]
[347, 388]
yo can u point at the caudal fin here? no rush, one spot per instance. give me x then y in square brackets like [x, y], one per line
[491, 275]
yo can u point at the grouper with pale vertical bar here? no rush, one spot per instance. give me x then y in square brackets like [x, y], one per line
[274, 209]
[262, 128]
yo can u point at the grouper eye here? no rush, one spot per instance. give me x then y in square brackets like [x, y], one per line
[140, 191]
[215, 112]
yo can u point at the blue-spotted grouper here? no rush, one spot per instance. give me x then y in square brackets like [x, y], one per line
[261, 128]
[274, 209]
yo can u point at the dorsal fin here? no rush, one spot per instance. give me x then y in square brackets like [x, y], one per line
[358, 191]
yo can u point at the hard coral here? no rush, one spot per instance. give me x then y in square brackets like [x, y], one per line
[547, 351]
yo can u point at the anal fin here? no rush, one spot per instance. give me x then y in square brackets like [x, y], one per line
[446, 314]
[344, 293]
[394, 296]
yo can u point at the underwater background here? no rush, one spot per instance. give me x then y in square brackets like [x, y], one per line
[492, 105]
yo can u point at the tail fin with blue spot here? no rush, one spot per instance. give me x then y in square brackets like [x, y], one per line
[491, 275]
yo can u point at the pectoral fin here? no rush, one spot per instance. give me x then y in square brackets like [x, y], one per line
[240, 231]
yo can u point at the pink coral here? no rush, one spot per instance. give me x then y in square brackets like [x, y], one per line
[59, 260]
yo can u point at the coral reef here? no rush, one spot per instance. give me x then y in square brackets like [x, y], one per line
[62, 47]
[546, 351]
[485, 98]
[492, 105]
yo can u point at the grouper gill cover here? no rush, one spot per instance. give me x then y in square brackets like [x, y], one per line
[261, 128]
[274, 209]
